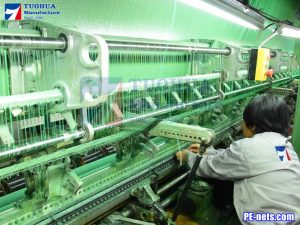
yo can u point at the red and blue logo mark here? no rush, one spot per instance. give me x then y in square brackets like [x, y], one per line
[283, 153]
[13, 11]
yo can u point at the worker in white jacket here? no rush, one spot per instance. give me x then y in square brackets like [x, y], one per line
[264, 165]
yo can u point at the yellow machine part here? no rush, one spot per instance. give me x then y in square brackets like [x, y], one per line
[262, 64]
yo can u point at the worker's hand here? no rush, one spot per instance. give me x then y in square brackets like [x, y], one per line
[194, 148]
[182, 155]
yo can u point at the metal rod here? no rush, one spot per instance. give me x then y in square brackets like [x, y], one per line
[166, 202]
[29, 147]
[172, 183]
[60, 44]
[248, 88]
[113, 44]
[257, 86]
[156, 113]
[144, 84]
[32, 42]
[30, 98]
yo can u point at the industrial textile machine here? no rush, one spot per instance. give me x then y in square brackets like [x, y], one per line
[83, 139]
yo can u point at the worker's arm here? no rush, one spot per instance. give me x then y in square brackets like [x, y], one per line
[227, 164]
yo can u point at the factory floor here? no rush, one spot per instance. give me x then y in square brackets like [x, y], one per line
[184, 220]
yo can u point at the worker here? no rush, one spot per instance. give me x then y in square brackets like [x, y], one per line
[264, 165]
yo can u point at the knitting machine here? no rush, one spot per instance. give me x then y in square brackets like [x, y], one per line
[89, 124]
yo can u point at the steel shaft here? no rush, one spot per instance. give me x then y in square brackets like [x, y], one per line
[32, 42]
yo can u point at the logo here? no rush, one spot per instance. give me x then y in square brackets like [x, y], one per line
[13, 11]
[282, 152]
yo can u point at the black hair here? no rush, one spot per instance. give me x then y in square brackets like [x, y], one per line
[267, 113]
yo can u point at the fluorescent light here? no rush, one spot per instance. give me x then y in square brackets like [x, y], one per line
[212, 8]
[290, 31]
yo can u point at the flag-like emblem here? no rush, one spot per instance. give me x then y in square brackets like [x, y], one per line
[282, 153]
[13, 11]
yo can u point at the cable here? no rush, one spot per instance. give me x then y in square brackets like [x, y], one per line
[271, 24]
[189, 180]
[269, 17]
